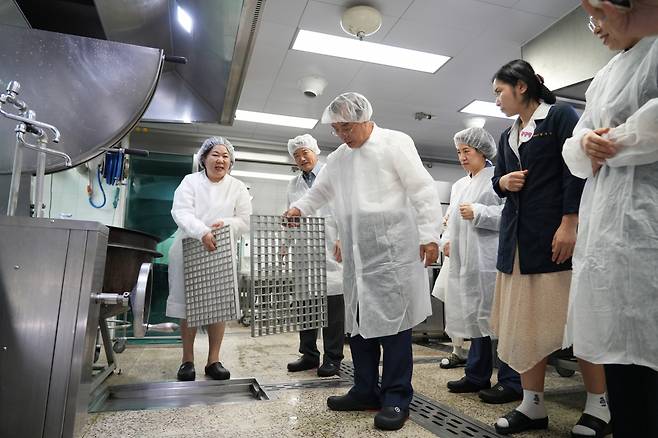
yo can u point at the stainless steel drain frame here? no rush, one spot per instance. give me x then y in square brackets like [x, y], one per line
[162, 395]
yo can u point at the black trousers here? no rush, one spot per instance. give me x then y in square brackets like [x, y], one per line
[479, 366]
[333, 336]
[396, 389]
[633, 396]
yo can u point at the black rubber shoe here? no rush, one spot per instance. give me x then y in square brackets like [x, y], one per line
[329, 369]
[519, 422]
[452, 361]
[600, 427]
[391, 418]
[186, 372]
[303, 364]
[348, 403]
[499, 394]
[464, 385]
[216, 371]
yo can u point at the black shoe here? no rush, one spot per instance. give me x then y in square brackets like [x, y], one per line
[329, 369]
[464, 385]
[499, 394]
[216, 371]
[391, 418]
[347, 402]
[186, 372]
[452, 361]
[519, 422]
[600, 427]
[303, 364]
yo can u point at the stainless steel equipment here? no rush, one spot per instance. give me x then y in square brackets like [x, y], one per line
[211, 282]
[94, 91]
[288, 275]
[49, 270]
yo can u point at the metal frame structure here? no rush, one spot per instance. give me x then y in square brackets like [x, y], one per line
[288, 274]
[211, 282]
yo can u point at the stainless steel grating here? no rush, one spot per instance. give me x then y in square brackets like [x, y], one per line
[211, 286]
[288, 275]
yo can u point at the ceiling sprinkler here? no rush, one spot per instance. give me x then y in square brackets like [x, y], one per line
[361, 21]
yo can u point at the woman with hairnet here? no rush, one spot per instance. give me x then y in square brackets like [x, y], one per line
[205, 200]
[304, 150]
[613, 312]
[387, 211]
[473, 233]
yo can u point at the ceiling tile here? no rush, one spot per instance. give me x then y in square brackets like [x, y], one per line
[553, 8]
[385, 7]
[286, 12]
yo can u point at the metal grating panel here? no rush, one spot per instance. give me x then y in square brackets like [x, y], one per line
[288, 274]
[211, 285]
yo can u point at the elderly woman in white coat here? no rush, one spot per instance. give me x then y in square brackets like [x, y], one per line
[613, 312]
[208, 199]
[387, 208]
[474, 221]
[305, 151]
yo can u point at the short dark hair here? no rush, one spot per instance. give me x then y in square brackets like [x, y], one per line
[520, 70]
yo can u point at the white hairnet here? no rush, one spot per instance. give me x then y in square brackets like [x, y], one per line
[348, 108]
[477, 138]
[303, 141]
[210, 143]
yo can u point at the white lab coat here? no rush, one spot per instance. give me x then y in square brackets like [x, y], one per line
[199, 203]
[473, 254]
[613, 311]
[296, 190]
[441, 283]
[385, 205]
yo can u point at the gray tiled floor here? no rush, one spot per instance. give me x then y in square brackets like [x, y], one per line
[296, 412]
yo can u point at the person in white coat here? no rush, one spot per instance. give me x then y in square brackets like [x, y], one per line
[386, 208]
[304, 150]
[203, 201]
[473, 240]
[613, 312]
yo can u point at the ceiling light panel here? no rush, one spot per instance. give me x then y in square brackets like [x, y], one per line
[483, 108]
[275, 119]
[351, 48]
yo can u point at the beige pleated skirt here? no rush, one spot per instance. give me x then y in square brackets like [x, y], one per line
[529, 315]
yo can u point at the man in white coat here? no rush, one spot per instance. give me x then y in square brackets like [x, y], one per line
[388, 213]
[304, 150]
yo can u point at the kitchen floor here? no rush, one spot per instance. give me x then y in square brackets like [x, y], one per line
[297, 404]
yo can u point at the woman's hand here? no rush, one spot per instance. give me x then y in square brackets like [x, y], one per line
[209, 241]
[446, 249]
[338, 252]
[598, 148]
[513, 181]
[466, 210]
[429, 252]
[564, 240]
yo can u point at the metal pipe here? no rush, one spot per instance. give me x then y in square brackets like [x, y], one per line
[55, 131]
[41, 175]
[15, 184]
[66, 157]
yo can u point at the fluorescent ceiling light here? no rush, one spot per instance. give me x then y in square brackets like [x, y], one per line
[261, 175]
[482, 108]
[352, 48]
[184, 19]
[259, 156]
[275, 119]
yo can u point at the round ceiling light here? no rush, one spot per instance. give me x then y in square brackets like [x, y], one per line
[361, 21]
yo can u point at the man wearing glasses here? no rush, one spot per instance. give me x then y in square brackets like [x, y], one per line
[387, 212]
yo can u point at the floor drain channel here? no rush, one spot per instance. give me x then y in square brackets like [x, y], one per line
[436, 417]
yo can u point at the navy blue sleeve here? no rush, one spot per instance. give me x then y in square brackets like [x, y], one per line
[501, 168]
[572, 186]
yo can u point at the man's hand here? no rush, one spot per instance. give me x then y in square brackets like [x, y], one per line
[209, 241]
[218, 224]
[598, 148]
[513, 181]
[446, 249]
[429, 252]
[289, 217]
[466, 211]
[338, 252]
